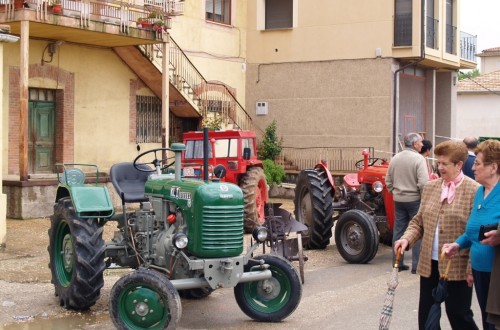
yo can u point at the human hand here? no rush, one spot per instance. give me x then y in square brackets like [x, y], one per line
[491, 238]
[450, 249]
[470, 280]
[400, 244]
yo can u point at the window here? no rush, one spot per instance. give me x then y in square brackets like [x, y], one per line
[218, 11]
[279, 14]
[223, 148]
[451, 29]
[148, 119]
[403, 23]
[247, 143]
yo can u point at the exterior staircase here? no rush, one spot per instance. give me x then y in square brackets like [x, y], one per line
[191, 96]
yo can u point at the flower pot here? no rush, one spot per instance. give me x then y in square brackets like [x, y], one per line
[57, 8]
[18, 4]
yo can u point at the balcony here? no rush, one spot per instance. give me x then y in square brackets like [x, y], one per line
[468, 47]
[451, 38]
[403, 30]
[106, 23]
[431, 33]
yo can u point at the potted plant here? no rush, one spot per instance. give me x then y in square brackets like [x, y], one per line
[159, 26]
[56, 6]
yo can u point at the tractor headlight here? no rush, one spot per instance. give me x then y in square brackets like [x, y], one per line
[180, 240]
[260, 234]
[377, 186]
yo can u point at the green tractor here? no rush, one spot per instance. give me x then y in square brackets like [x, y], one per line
[185, 240]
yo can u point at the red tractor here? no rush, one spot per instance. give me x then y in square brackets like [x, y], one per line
[361, 205]
[237, 151]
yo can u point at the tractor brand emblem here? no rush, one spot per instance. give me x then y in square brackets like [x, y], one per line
[177, 193]
[223, 187]
[226, 196]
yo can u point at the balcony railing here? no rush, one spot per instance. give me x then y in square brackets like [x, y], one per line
[205, 95]
[451, 38]
[431, 32]
[124, 13]
[468, 46]
[403, 30]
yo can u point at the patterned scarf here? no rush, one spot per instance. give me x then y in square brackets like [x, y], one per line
[449, 188]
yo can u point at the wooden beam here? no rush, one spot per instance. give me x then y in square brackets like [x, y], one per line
[23, 102]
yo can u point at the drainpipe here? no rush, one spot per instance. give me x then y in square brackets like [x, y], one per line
[422, 57]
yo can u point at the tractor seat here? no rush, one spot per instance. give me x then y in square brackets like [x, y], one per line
[129, 182]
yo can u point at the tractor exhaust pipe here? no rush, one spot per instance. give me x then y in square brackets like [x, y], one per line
[205, 153]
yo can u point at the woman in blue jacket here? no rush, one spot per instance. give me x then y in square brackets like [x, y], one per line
[485, 211]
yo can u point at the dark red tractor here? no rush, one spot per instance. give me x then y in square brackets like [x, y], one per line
[362, 207]
[237, 151]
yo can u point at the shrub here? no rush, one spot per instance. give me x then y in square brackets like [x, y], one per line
[274, 172]
[271, 145]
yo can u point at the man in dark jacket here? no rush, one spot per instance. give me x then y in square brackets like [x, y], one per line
[471, 143]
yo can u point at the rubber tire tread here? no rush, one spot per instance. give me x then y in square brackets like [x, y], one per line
[88, 264]
[249, 183]
[370, 232]
[317, 184]
[294, 297]
[162, 286]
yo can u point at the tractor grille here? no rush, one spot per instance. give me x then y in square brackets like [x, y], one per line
[222, 230]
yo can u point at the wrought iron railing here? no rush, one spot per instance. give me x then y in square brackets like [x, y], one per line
[338, 159]
[431, 32]
[208, 97]
[451, 38]
[403, 30]
[468, 46]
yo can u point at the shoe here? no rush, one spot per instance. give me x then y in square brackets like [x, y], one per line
[403, 267]
[413, 271]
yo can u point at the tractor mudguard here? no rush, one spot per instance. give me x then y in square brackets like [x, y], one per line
[322, 165]
[89, 200]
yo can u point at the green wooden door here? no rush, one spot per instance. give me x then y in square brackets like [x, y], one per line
[41, 134]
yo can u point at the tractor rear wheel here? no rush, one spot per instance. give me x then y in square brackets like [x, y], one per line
[254, 187]
[314, 208]
[144, 299]
[272, 299]
[76, 251]
[356, 237]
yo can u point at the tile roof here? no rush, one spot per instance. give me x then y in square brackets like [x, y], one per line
[489, 82]
[489, 52]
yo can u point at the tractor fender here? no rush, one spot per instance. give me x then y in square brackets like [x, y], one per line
[89, 201]
[322, 166]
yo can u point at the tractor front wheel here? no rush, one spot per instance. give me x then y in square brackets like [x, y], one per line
[356, 237]
[254, 187]
[272, 299]
[76, 250]
[314, 208]
[144, 299]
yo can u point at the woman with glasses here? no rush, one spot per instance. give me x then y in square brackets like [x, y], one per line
[444, 209]
[485, 211]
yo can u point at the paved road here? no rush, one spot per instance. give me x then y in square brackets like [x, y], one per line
[336, 295]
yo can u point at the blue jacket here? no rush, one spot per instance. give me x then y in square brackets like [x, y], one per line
[484, 212]
[468, 166]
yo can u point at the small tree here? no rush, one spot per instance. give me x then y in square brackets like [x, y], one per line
[271, 145]
[469, 74]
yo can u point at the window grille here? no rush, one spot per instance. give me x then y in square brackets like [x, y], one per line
[148, 119]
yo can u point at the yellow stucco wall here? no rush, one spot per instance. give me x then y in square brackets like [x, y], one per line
[337, 29]
[101, 100]
[218, 51]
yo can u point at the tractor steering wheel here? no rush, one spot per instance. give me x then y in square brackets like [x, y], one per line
[159, 164]
[371, 162]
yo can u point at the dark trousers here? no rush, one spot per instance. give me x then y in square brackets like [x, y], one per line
[404, 212]
[482, 284]
[457, 303]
